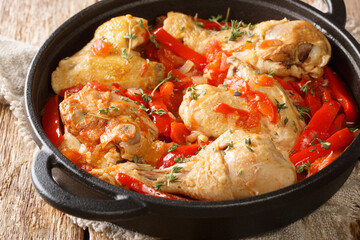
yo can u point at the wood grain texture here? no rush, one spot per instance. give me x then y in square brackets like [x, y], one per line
[24, 214]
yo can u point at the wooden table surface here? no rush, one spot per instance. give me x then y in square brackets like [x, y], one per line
[24, 214]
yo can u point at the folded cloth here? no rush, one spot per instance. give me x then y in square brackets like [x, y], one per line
[330, 221]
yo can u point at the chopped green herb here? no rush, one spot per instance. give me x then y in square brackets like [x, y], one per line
[200, 24]
[173, 147]
[250, 26]
[286, 121]
[107, 109]
[294, 123]
[240, 172]
[224, 85]
[248, 144]
[66, 58]
[236, 30]
[193, 95]
[126, 99]
[216, 19]
[115, 90]
[191, 88]
[176, 169]
[181, 28]
[181, 159]
[130, 36]
[302, 167]
[236, 93]
[214, 149]
[272, 74]
[313, 141]
[114, 108]
[230, 146]
[126, 56]
[280, 106]
[305, 87]
[152, 37]
[312, 150]
[353, 129]
[304, 111]
[325, 145]
[142, 107]
[291, 151]
[312, 92]
[248, 41]
[136, 159]
[158, 186]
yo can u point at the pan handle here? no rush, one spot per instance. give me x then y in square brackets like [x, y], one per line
[123, 207]
[337, 11]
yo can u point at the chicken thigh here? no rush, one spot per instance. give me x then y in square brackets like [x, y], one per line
[286, 48]
[199, 114]
[236, 165]
[114, 66]
[99, 123]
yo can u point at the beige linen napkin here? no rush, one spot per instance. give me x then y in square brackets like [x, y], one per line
[330, 221]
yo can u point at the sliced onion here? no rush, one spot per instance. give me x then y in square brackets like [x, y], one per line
[188, 65]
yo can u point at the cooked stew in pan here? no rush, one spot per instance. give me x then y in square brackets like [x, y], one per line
[200, 109]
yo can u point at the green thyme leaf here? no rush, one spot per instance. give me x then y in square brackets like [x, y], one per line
[173, 147]
[305, 87]
[325, 145]
[302, 167]
[280, 106]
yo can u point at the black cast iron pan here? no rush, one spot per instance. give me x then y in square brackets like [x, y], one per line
[80, 194]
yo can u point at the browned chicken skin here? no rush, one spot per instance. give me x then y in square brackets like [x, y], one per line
[103, 120]
[286, 48]
[84, 67]
[228, 168]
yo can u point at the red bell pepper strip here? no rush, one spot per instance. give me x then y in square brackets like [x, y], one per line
[142, 188]
[340, 93]
[100, 47]
[51, 121]
[71, 90]
[318, 126]
[322, 162]
[168, 159]
[262, 102]
[116, 88]
[338, 140]
[179, 132]
[265, 80]
[293, 94]
[135, 95]
[313, 102]
[183, 80]
[178, 48]
[98, 86]
[326, 96]
[162, 120]
[245, 118]
[338, 124]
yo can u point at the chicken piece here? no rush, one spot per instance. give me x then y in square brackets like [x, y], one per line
[286, 48]
[198, 114]
[290, 122]
[112, 67]
[236, 165]
[101, 121]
